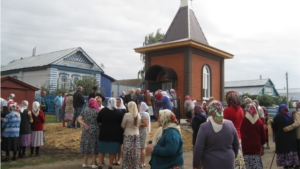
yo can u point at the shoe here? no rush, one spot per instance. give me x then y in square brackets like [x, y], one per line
[109, 167]
[69, 126]
[103, 163]
[99, 167]
[116, 163]
[38, 154]
[94, 166]
[85, 165]
[267, 148]
[144, 165]
[14, 158]
[31, 155]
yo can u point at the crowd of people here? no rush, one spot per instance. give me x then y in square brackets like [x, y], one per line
[234, 137]
[21, 128]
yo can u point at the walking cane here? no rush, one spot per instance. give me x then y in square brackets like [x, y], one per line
[272, 160]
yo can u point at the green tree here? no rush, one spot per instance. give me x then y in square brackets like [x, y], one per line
[149, 39]
[87, 83]
[265, 100]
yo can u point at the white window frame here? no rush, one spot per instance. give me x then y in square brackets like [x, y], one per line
[206, 86]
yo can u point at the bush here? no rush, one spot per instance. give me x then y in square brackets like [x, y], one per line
[265, 100]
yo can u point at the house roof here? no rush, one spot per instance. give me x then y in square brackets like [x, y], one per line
[247, 83]
[294, 93]
[243, 90]
[185, 25]
[47, 59]
[3, 79]
[128, 82]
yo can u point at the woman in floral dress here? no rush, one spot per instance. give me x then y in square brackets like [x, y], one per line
[90, 132]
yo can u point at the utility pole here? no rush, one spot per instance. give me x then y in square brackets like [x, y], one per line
[287, 89]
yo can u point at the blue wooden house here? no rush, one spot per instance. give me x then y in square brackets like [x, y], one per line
[58, 69]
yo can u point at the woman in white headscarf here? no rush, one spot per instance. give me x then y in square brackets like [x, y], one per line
[166, 147]
[110, 131]
[25, 128]
[145, 123]
[37, 128]
[122, 109]
[131, 150]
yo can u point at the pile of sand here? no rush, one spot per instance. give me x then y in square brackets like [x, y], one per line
[69, 139]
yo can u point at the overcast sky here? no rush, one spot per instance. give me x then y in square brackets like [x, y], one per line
[263, 36]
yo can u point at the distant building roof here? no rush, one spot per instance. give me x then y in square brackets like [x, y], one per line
[294, 93]
[128, 82]
[243, 90]
[242, 83]
[252, 87]
[47, 59]
[108, 77]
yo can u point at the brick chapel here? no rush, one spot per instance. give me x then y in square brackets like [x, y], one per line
[183, 60]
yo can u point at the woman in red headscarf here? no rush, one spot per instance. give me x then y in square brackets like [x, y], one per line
[235, 113]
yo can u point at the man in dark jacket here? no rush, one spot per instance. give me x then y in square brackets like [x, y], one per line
[139, 96]
[78, 102]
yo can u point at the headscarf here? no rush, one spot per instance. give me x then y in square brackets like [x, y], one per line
[35, 108]
[283, 109]
[23, 105]
[247, 101]
[173, 93]
[133, 109]
[164, 93]
[121, 104]
[251, 112]
[93, 104]
[194, 102]
[217, 108]
[187, 97]
[232, 99]
[168, 120]
[13, 108]
[298, 106]
[200, 111]
[143, 108]
[111, 103]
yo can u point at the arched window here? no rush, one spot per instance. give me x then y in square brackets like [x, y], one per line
[206, 82]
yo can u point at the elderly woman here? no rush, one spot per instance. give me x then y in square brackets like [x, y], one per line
[110, 131]
[145, 122]
[235, 114]
[121, 107]
[199, 118]
[69, 110]
[189, 108]
[37, 128]
[286, 144]
[90, 132]
[25, 128]
[131, 150]
[11, 130]
[217, 142]
[253, 137]
[166, 147]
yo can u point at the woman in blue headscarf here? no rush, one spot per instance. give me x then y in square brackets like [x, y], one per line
[286, 146]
